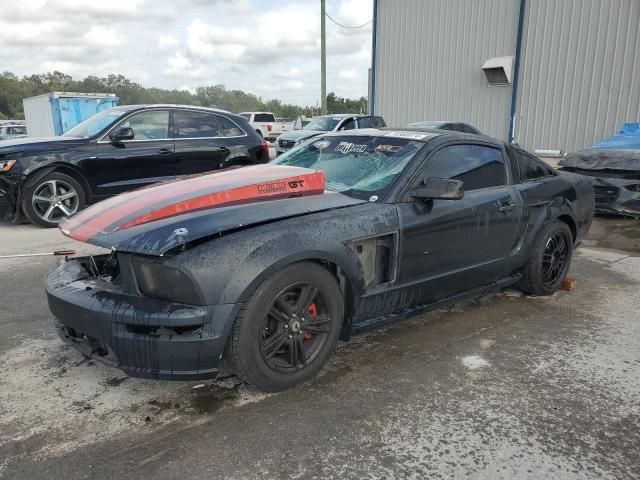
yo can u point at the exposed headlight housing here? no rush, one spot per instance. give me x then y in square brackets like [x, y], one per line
[6, 165]
[157, 280]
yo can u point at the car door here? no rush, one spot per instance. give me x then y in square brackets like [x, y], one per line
[127, 164]
[203, 143]
[451, 246]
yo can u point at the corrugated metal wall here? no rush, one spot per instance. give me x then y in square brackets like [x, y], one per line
[429, 56]
[580, 72]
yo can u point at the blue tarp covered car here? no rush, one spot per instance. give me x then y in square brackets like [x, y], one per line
[614, 166]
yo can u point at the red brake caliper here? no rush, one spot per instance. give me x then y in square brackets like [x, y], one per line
[312, 311]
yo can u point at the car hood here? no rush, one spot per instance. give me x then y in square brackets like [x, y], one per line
[602, 159]
[40, 144]
[156, 219]
[297, 135]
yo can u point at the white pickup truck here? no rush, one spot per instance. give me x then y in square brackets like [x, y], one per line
[266, 125]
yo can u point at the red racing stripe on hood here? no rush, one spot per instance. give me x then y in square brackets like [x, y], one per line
[192, 193]
[311, 184]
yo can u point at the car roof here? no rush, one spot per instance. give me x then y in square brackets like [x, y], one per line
[431, 123]
[342, 115]
[130, 108]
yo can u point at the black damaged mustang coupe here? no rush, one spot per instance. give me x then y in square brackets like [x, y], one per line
[261, 269]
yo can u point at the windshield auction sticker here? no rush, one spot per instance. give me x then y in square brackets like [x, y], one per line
[411, 135]
[348, 147]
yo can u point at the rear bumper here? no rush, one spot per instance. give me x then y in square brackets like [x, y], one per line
[142, 336]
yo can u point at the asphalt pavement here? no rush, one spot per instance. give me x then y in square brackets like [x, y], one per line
[507, 386]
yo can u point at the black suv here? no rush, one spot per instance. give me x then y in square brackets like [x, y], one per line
[116, 150]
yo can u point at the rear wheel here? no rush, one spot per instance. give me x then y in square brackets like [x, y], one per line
[54, 197]
[550, 260]
[288, 328]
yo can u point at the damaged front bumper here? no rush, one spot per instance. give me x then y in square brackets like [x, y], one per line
[10, 186]
[144, 337]
[617, 196]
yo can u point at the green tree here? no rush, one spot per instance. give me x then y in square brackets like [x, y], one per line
[13, 90]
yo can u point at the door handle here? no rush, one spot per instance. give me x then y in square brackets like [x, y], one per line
[164, 151]
[222, 150]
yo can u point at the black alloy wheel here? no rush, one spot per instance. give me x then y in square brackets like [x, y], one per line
[286, 331]
[549, 260]
[294, 328]
[555, 258]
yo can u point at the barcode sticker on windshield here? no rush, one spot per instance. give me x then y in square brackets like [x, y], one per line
[411, 135]
[348, 147]
[388, 148]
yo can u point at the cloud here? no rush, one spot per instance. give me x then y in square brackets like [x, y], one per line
[167, 43]
[270, 49]
[181, 67]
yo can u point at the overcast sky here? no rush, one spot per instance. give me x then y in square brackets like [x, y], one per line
[270, 48]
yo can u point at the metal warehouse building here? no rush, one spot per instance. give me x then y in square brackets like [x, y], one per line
[554, 74]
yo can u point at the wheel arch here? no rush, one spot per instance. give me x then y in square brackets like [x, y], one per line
[347, 273]
[568, 219]
[239, 161]
[37, 175]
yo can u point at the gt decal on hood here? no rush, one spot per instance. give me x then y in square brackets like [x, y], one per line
[168, 199]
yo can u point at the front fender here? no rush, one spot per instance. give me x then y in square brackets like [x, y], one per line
[229, 269]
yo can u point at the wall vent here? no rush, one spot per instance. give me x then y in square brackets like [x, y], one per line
[499, 71]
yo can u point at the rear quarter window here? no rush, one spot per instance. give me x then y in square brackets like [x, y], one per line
[229, 128]
[531, 168]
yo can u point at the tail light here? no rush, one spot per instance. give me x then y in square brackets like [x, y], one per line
[269, 127]
[265, 150]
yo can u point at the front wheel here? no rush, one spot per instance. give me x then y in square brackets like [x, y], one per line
[54, 197]
[550, 260]
[287, 330]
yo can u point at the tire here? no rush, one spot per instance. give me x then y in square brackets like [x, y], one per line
[273, 325]
[545, 270]
[44, 207]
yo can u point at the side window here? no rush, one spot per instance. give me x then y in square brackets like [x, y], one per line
[378, 122]
[365, 122]
[476, 165]
[196, 124]
[530, 168]
[151, 125]
[229, 128]
[349, 124]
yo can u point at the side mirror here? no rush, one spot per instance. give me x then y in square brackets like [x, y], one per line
[438, 188]
[124, 133]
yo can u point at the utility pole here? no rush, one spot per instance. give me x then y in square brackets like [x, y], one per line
[323, 59]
